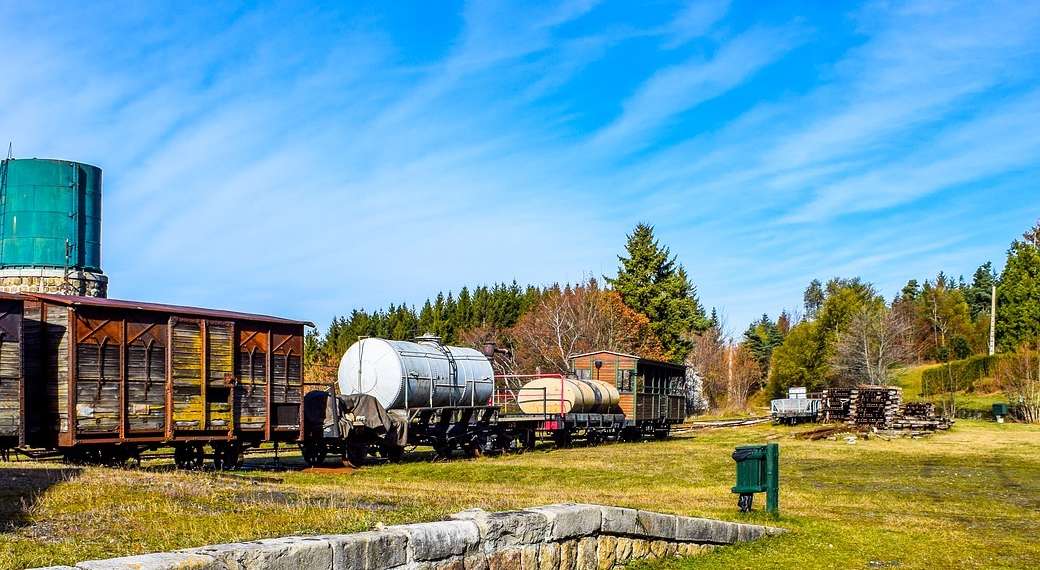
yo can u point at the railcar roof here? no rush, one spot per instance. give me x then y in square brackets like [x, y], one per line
[74, 300]
[636, 356]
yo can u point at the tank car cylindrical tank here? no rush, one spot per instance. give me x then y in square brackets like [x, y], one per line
[567, 395]
[402, 374]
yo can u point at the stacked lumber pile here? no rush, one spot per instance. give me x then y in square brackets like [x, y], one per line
[919, 409]
[874, 405]
[834, 404]
[920, 416]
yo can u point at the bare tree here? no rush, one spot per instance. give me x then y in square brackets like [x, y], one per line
[745, 374]
[1019, 377]
[728, 372]
[873, 343]
[579, 319]
[708, 359]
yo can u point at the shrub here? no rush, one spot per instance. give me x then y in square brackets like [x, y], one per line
[961, 375]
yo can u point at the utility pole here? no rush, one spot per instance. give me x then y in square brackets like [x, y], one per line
[992, 320]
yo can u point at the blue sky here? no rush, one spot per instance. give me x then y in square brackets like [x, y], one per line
[304, 160]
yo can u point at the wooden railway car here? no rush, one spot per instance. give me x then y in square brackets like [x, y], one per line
[652, 392]
[106, 378]
[12, 419]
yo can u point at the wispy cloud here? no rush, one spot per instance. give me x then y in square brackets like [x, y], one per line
[309, 160]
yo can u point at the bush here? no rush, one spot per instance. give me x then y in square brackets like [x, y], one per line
[962, 373]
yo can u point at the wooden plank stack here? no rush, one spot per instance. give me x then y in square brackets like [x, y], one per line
[834, 404]
[919, 409]
[874, 405]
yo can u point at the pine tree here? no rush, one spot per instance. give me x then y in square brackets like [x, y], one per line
[651, 282]
[977, 294]
[1018, 297]
[813, 298]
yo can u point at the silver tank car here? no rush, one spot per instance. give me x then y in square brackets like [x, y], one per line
[426, 373]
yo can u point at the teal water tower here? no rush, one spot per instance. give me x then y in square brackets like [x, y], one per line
[50, 227]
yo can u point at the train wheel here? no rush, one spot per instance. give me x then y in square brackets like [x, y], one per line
[442, 450]
[661, 434]
[189, 456]
[314, 452]
[357, 453]
[227, 457]
[392, 452]
[562, 438]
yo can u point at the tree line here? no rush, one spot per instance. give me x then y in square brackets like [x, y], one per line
[649, 307]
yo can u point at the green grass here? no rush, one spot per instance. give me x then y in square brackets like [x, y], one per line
[968, 498]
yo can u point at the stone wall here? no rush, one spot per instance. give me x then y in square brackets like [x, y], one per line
[41, 280]
[566, 537]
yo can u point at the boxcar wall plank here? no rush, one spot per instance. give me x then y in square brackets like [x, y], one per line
[220, 374]
[186, 374]
[146, 375]
[98, 403]
[250, 392]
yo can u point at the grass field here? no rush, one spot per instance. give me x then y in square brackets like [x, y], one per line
[968, 498]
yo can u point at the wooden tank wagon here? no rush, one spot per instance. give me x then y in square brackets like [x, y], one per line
[104, 379]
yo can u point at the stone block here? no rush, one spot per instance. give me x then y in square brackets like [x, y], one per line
[456, 563]
[705, 531]
[746, 532]
[510, 528]
[475, 561]
[507, 559]
[658, 548]
[606, 552]
[570, 520]
[529, 557]
[656, 525]
[618, 520]
[437, 540]
[640, 548]
[368, 550]
[568, 554]
[548, 556]
[623, 551]
[585, 558]
[158, 561]
[289, 553]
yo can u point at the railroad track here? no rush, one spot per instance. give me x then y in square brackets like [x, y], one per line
[719, 424]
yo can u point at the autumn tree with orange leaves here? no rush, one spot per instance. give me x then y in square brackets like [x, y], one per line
[576, 319]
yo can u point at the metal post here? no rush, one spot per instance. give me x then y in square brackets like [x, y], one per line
[993, 320]
[773, 478]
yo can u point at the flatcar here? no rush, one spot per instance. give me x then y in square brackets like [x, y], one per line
[104, 379]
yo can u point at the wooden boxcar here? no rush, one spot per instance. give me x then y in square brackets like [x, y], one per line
[115, 376]
[12, 420]
[652, 392]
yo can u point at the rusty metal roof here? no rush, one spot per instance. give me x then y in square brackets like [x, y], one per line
[10, 296]
[73, 300]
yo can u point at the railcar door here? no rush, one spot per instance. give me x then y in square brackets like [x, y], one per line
[12, 420]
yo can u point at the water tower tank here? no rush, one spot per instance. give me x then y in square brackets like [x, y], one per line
[50, 227]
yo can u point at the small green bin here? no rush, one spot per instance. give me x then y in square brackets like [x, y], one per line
[751, 469]
[1000, 410]
[758, 471]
